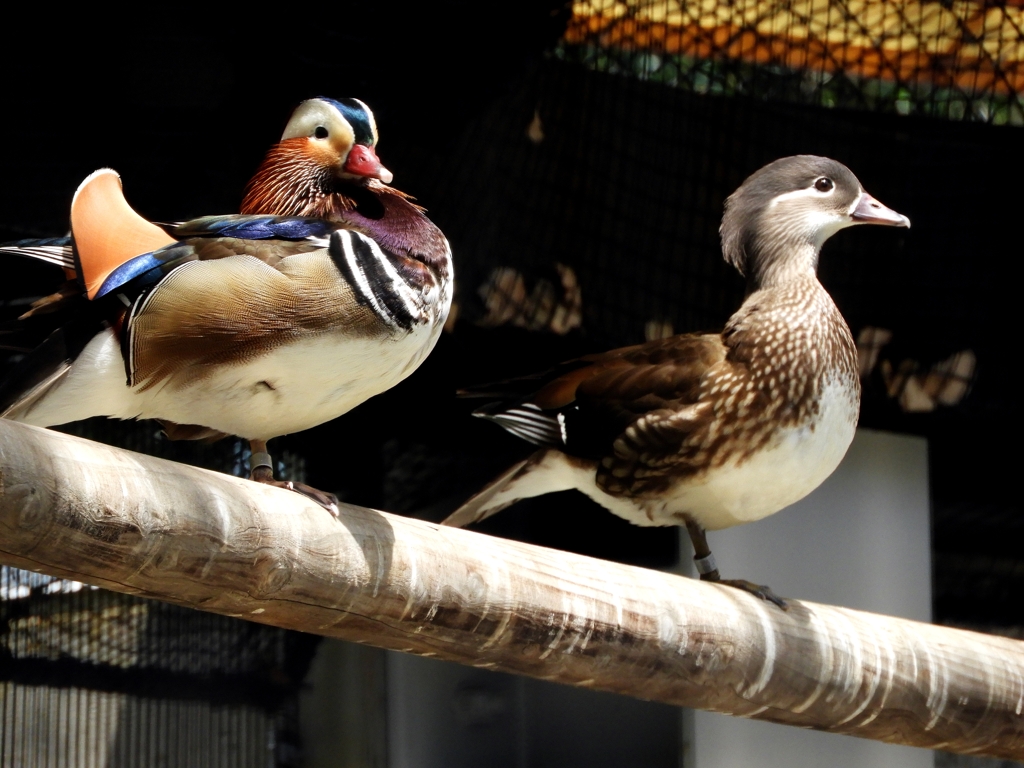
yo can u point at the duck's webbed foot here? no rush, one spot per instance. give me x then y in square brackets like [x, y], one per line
[708, 569]
[262, 471]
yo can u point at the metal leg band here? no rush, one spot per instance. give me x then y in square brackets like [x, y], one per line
[260, 459]
[705, 564]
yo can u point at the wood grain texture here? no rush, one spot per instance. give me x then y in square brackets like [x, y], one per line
[136, 524]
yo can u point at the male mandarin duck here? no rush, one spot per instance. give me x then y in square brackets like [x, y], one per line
[709, 430]
[325, 165]
[250, 325]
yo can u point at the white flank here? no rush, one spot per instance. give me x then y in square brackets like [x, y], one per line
[798, 461]
[314, 380]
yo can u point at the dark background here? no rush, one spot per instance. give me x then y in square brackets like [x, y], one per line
[626, 188]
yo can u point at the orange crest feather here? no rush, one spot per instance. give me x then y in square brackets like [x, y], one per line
[106, 231]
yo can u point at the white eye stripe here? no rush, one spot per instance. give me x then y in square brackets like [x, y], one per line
[800, 193]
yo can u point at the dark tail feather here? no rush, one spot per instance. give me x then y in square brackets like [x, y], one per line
[53, 250]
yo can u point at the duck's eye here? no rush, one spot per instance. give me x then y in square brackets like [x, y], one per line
[320, 132]
[824, 184]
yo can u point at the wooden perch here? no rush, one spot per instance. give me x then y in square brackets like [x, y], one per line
[136, 524]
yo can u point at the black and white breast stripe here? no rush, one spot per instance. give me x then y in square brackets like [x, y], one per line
[375, 281]
[128, 337]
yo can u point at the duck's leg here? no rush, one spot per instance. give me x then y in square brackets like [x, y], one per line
[708, 569]
[261, 470]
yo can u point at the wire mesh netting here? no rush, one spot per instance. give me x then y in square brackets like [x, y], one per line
[94, 678]
[960, 61]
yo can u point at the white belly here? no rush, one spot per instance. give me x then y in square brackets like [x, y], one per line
[310, 381]
[795, 463]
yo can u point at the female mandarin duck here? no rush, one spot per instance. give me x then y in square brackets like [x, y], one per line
[250, 325]
[709, 430]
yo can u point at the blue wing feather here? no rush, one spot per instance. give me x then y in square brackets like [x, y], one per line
[256, 227]
[147, 269]
[58, 250]
[128, 271]
[142, 272]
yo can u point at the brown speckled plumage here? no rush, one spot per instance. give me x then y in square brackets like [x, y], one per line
[709, 430]
[774, 357]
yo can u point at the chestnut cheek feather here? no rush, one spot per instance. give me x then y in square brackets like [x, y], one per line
[321, 153]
